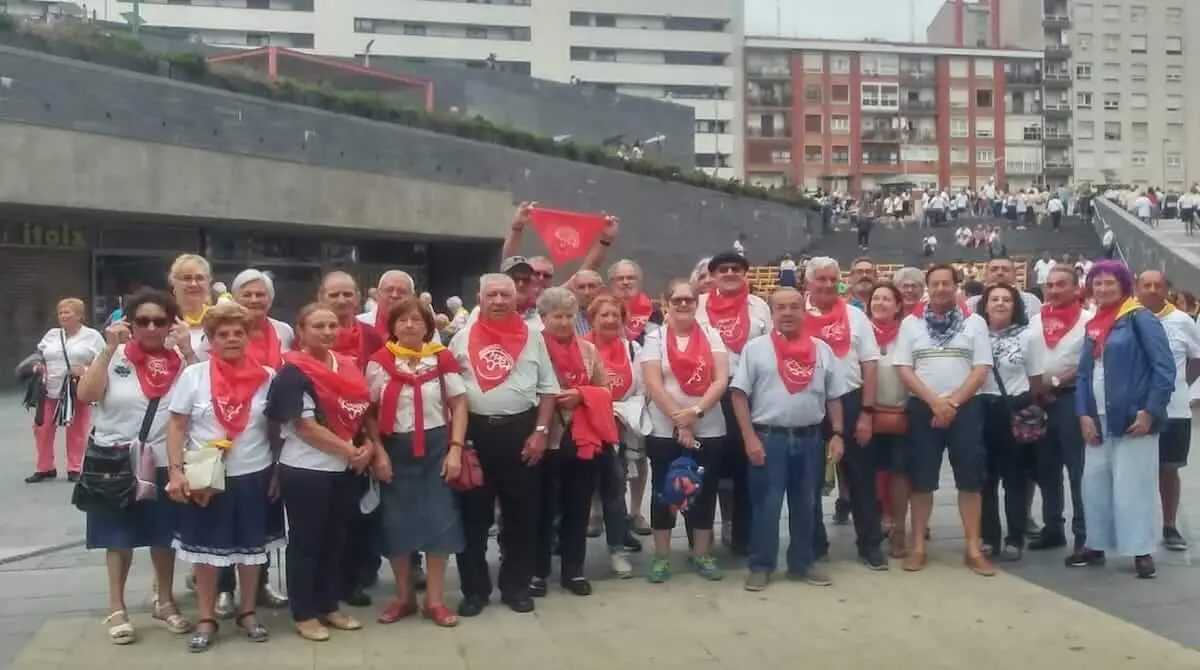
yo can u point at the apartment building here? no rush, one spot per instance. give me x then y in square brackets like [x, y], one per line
[851, 116]
[690, 55]
[1121, 84]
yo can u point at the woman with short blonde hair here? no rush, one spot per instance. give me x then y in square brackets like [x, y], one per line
[190, 279]
[65, 352]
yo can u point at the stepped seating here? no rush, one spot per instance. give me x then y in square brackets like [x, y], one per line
[765, 278]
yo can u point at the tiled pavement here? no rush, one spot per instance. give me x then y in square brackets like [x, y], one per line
[1036, 615]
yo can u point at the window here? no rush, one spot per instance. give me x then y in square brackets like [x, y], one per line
[959, 98]
[918, 154]
[1083, 71]
[1138, 159]
[839, 64]
[1084, 40]
[1083, 100]
[1140, 131]
[812, 93]
[1112, 101]
[983, 98]
[1174, 14]
[870, 95]
[960, 128]
[839, 124]
[1174, 160]
[1112, 72]
[1112, 42]
[881, 95]
[841, 155]
[958, 155]
[1031, 132]
[813, 154]
[1111, 12]
[1174, 46]
[1137, 101]
[1087, 130]
[839, 94]
[1083, 13]
[1174, 103]
[814, 62]
[1138, 71]
[1137, 44]
[812, 123]
[959, 68]
[1112, 130]
[985, 128]
[1174, 74]
[1137, 14]
[985, 156]
[781, 156]
[985, 68]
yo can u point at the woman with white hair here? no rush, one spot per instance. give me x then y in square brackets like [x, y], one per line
[458, 315]
[700, 279]
[254, 290]
[910, 282]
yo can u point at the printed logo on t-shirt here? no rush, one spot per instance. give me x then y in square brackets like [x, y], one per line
[122, 370]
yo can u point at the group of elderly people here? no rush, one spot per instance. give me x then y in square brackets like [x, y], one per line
[372, 438]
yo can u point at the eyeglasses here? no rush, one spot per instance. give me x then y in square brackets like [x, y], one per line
[728, 269]
[199, 278]
[681, 301]
[544, 275]
[147, 321]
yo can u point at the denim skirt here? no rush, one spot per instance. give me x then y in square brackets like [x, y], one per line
[145, 523]
[420, 512]
[237, 527]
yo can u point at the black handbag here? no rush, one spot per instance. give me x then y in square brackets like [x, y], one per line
[107, 480]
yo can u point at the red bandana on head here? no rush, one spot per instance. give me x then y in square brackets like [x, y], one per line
[264, 346]
[832, 326]
[729, 313]
[693, 367]
[885, 332]
[341, 391]
[566, 357]
[797, 360]
[1058, 321]
[156, 372]
[233, 389]
[640, 308]
[614, 354]
[493, 346]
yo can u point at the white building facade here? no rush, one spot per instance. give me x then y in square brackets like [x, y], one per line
[692, 57]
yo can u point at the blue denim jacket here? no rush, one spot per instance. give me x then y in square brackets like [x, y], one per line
[1139, 373]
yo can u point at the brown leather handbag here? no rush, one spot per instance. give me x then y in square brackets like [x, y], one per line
[470, 475]
[890, 420]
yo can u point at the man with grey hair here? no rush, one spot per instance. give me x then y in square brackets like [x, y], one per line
[520, 270]
[511, 390]
[625, 279]
[1002, 270]
[394, 286]
[585, 286]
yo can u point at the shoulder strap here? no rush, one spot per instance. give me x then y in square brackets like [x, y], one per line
[148, 419]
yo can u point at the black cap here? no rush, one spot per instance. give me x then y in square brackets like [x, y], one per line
[728, 258]
[508, 265]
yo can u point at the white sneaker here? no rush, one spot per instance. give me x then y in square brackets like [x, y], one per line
[620, 564]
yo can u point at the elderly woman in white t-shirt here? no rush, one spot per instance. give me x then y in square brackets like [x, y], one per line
[1019, 366]
[129, 382]
[190, 279]
[685, 366]
[220, 403]
[65, 351]
[269, 338]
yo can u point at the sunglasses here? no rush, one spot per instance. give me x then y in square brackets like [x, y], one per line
[147, 321]
[682, 301]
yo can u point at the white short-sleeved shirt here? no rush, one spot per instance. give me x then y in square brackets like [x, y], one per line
[1063, 359]
[287, 336]
[1184, 337]
[771, 404]
[1017, 358]
[192, 396]
[889, 390]
[532, 376]
[81, 349]
[433, 412]
[289, 387]
[863, 349]
[760, 322]
[712, 424]
[943, 369]
[199, 342]
[118, 417]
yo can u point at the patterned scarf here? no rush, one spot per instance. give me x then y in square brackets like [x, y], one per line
[943, 327]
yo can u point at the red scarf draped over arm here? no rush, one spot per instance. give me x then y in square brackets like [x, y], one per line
[156, 371]
[566, 357]
[233, 388]
[694, 366]
[729, 314]
[833, 327]
[493, 346]
[797, 360]
[593, 423]
[614, 354]
[341, 391]
[1058, 321]
[640, 309]
[264, 346]
[398, 378]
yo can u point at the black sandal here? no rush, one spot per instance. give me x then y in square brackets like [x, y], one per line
[255, 632]
[202, 640]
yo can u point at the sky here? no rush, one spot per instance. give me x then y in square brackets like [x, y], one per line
[841, 19]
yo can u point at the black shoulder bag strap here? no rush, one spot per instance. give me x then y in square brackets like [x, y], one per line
[148, 419]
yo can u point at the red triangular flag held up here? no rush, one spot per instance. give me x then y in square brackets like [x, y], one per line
[567, 235]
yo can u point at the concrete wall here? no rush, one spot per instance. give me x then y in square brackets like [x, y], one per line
[1143, 251]
[665, 225]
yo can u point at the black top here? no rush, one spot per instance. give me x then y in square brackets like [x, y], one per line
[285, 398]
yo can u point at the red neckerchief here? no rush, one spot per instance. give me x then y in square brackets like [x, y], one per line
[832, 326]
[567, 360]
[1058, 321]
[233, 389]
[357, 342]
[398, 378]
[886, 332]
[342, 393]
[156, 371]
[730, 315]
[263, 346]
[614, 354]
[640, 308]
[381, 325]
[797, 360]
[493, 346]
[693, 367]
[1101, 325]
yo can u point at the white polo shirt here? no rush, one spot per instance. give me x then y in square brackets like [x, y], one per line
[1063, 358]
[943, 369]
[863, 349]
[1184, 337]
[532, 376]
[760, 322]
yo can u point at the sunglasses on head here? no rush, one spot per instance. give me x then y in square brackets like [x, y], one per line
[147, 321]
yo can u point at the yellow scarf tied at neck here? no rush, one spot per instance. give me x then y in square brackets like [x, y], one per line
[194, 322]
[406, 354]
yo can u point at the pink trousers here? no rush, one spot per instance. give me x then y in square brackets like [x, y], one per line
[77, 434]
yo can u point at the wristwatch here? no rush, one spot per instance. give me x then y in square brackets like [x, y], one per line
[699, 412]
[542, 429]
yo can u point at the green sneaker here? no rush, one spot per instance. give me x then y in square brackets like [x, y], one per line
[706, 567]
[660, 570]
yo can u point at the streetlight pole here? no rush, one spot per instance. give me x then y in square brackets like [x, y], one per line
[137, 19]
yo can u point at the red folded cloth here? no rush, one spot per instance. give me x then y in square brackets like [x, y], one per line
[593, 424]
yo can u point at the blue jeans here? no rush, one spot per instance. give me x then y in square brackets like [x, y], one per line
[794, 462]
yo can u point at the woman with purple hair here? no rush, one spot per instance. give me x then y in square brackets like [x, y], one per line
[1126, 376]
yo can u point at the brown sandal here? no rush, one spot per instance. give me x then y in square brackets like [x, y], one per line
[915, 562]
[897, 546]
[979, 564]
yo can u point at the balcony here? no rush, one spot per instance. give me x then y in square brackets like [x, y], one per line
[1023, 167]
[921, 137]
[769, 100]
[1057, 110]
[768, 72]
[769, 134]
[1061, 138]
[918, 107]
[917, 78]
[1059, 167]
[1027, 79]
[1059, 21]
[878, 135]
[1032, 109]
[1058, 79]
[1058, 51]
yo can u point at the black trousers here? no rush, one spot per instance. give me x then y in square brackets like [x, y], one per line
[568, 483]
[1008, 463]
[318, 503]
[362, 548]
[499, 441]
[1062, 447]
[858, 468]
[732, 465]
[1056, 219]
[662, 451]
